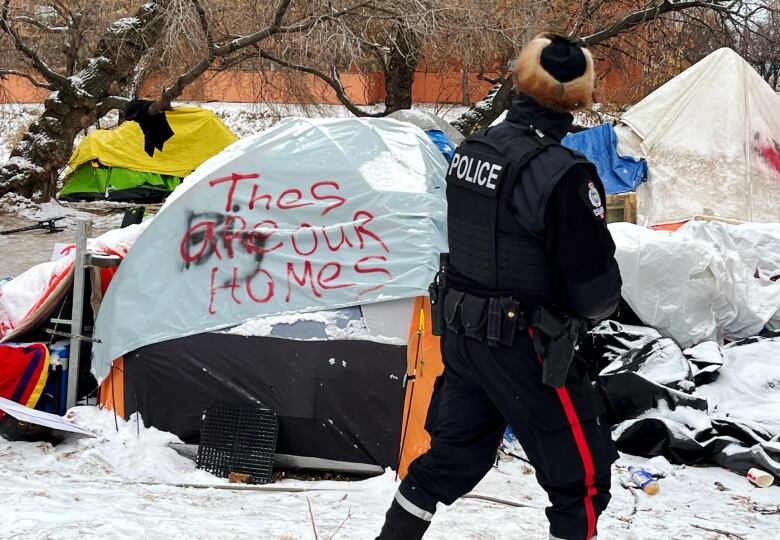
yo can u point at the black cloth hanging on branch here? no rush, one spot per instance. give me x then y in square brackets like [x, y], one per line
[154, 126]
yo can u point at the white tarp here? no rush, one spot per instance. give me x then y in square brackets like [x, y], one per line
[40, 418]
[309, 215]
[711, 137]
[706, 282]
[24, 300]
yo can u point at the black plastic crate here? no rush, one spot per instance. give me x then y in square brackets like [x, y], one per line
[238, 440]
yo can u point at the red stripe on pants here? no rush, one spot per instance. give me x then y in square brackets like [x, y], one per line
[582, 447]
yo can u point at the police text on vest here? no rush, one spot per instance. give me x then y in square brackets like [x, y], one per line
[475, 171]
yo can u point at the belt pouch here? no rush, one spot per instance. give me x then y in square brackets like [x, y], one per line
[494, 322]
[511, 320]
[473, 316]
[452, 306]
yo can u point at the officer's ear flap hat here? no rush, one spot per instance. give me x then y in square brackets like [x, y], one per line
[556, 72]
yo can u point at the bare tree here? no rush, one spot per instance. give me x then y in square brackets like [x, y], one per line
[610, 27]
[95, 56]
[77, 99]
[393, 38]
[117, 66]
[762, 49]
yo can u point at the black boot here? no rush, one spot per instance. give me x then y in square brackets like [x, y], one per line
[401, 525]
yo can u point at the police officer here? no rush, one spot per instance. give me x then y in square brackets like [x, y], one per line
[530, 266]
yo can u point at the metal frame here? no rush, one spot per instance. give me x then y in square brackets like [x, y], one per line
[83, 231]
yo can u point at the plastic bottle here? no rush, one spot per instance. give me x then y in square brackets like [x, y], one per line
[644, 480]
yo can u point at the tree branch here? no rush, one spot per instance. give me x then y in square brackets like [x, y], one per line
[650, 13]
[204, 23]
[483, 113]
[274, 28]
[110, 103]
[332, 81]
[281, 11]
[221, 51]
[35, 82]
[55, 79]
[40, 26]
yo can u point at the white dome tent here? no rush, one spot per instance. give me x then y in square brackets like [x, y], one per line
[285, 273]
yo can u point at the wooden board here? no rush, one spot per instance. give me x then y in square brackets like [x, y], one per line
[621, 207]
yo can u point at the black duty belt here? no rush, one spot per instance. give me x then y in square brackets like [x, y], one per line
[496, 320]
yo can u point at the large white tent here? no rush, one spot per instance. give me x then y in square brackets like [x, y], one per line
[711, 137]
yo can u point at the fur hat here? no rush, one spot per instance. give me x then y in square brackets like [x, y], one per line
[557, 72]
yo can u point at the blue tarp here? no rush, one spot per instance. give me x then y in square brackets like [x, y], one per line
[442, 142]
[619, 174]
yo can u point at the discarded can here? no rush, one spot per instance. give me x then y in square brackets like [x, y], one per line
[644, 480]
[760, 478]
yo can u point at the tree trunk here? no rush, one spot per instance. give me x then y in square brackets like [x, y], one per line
[399, 71]
[482, 113]
[36, 160]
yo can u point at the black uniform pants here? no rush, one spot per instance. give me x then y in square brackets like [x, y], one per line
[484, 388]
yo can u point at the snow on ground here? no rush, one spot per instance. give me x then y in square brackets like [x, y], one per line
[21, 251]
[118, 486]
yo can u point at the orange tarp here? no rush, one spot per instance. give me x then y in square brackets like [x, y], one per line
[424, 365]
[112, 389]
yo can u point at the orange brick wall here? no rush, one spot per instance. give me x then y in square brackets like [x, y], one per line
[248, 87]
[15, 89]
[615, 85]
[622, 85]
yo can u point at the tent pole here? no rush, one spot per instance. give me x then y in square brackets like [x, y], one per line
[83, 231]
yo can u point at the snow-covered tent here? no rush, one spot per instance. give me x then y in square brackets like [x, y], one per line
[314, 242]
[711, 137]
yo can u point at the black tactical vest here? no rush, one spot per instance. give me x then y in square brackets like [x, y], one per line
[497, 247]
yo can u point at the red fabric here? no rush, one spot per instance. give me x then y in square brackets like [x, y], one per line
[106, 275]
[22, 371]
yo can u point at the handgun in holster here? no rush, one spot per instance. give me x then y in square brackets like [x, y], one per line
[563, 335]
[436, 292]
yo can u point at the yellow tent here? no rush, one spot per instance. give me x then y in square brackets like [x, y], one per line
[198, 135]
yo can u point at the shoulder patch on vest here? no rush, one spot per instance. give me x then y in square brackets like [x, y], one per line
[592, 196]
[476, 171]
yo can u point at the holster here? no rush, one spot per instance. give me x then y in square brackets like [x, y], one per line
[436, 293]
[562, 336]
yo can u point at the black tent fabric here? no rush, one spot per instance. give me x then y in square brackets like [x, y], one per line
[650, 387]
[339, 400]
